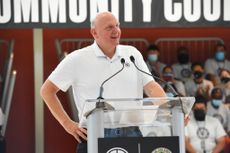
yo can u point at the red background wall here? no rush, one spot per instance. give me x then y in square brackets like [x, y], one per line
[20, 131]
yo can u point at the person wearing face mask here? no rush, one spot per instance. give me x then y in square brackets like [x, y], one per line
[219, 61]
[198, 85]
[182, 69]
[224, 84]
[153, 63]
[203, 133]
[168, 76]
[216, 108]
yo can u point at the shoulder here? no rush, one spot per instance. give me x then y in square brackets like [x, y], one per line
[128, 48]
[80, 53]
[211, 119]
[210, 60]
[175, 65]
[207, 82]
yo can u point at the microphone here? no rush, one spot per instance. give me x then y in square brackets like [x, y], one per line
[171, 89]
[101, 87]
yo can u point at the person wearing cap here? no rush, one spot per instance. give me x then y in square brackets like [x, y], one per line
[203, 133]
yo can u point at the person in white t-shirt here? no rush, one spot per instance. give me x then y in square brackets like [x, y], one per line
[198, 85]
[203, 133]
[224, 76]
[218, 62]
[168, 76]
[155, 66]
[85, 70]
[182, 69]
[217, 109]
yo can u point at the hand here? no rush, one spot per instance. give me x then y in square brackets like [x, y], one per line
[186, 120]
[200, 91]
[73, 128]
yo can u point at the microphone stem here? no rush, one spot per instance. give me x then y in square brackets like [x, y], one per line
[101, 87]
[158, 79]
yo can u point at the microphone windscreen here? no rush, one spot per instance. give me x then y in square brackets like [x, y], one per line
[122, 60]
[132, 58]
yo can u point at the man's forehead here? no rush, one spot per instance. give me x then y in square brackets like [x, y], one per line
[199, 105]
[105, 16]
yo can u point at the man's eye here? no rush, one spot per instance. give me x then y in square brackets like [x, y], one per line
[109, 28]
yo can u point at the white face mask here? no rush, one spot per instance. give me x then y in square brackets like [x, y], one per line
[152, 58]
[169, 94]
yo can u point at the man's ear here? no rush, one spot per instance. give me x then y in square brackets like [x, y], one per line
[93, 33]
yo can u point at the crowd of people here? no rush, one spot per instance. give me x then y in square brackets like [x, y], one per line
[209, 83]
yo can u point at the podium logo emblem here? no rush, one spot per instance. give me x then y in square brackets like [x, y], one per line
[161, 150]
[117, 150]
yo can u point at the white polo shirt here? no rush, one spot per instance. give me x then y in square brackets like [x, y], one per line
[85, 70]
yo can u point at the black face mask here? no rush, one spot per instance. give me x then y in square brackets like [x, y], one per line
[199, 114]
[183, 58]
[225, 79]
[197, 74]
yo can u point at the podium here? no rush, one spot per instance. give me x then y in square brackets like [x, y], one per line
[158, 117]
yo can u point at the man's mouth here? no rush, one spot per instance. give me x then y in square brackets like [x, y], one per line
[114, 37]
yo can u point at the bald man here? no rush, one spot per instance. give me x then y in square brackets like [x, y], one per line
[85, 69]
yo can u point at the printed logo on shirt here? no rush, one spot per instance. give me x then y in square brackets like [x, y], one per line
[127, 64]
[117, 150]
[161, 150]
[202, 133]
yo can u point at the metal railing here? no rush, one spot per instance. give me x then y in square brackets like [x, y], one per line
[8, 80]
[200, 48]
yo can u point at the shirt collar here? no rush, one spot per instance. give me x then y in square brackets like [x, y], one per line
[99, 52]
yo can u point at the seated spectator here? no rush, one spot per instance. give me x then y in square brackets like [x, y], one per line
[153, 63]
[213, 65]
[212, 78]
[216, 108]
[224, 76]
[203, 133]
[182, 69]
[168, 76]
[227, 102]
[198, 85]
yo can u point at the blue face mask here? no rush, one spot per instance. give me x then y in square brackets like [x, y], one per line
[169, 94]
[216, 102]
[219, 56]
[152, 58]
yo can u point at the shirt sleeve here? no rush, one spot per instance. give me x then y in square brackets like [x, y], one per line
[63, 76]
[220, 130]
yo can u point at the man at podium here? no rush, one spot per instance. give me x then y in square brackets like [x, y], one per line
[104, 63]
